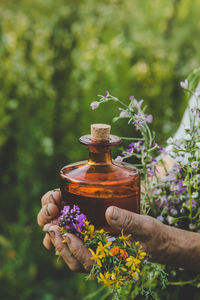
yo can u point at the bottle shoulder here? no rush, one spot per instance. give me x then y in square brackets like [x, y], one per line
[99, 173]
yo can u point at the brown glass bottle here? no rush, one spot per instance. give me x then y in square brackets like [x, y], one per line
[98, 183]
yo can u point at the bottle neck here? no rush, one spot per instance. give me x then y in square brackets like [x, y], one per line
[99, 155]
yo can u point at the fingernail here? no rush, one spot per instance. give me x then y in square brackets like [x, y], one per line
[115, 214]
[56, 190]
[67, 238]
[46, 227]
[51, 233]
[47, 211]
[52, 199]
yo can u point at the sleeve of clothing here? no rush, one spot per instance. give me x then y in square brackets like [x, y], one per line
[185, 122]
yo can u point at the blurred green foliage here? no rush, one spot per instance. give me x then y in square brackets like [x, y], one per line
[55, 57]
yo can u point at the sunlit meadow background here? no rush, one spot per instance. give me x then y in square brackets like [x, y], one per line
[55, 57]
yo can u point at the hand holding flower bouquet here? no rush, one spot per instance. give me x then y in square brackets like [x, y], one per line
[117, 260]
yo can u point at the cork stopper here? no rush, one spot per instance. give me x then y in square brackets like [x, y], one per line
[100, 132]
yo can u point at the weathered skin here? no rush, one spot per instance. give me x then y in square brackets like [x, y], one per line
[166, 244]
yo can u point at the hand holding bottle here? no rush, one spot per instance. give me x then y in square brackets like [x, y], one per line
[166, 244]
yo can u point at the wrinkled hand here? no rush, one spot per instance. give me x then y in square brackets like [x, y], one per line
[164, 243]
[76, 256]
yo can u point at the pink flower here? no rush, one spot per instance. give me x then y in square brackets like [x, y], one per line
[94, 105]
[137, 104]
[124, 114]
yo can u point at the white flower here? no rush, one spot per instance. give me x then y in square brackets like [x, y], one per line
[111, 239]
[94, 104]
[153, 184]
[173, 211]
[197, 153]
[180, 159]
[195, 195]
[197, 93]
[188, 137]
[196, 179]
[194, 164]
[170, 140]
[184, 84]
[157, 192]
[192, 226]
[170, 198]
[198, 144]
[169, 219]
[188, 155]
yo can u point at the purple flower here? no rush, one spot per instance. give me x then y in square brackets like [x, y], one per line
[134, 147]
[107, 94]
[119, 159]
[71, 219]
[184, 84]
[154, 144]
[162, 200]
[150, 171]
[169, 177]
[149, 118]
[154, 160]
[130, 150]
[162, 150]
[176, 168]
[194, 203]
[94, 105]
[160, 218]
[141, 119]
[177, 187]
[137, 104]
[131, 97]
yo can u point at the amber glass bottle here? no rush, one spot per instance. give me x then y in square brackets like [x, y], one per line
[100, 182]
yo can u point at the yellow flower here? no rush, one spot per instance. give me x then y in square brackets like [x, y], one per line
[137, 243]
[101, 231]
[124, 238]
[88, 233]
[141, 254]
[113, 276]
[123, 269]
[96, 257]
[105, 278]
[102, 249]
[132, 262]
[133, 274]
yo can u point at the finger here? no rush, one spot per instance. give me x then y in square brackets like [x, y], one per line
[57, 240]
[52, 197]
[47, 242]
[47, 213]
[140, 226]
[80, 252]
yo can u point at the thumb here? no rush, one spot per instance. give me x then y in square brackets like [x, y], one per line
[140, 226]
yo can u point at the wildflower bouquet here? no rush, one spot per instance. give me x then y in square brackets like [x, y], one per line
[117, 260]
